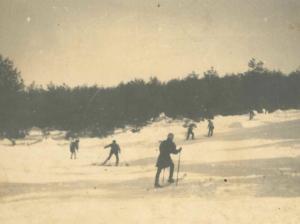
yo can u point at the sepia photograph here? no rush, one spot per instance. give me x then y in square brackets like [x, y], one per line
[150, 111]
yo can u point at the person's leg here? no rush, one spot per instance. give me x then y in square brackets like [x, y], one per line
[193, 135]
[117, 159]
[190, 135]
[108, 158]
[171, 180]
[212, 132]
[187, 136]
[75, 155]
[156, 184]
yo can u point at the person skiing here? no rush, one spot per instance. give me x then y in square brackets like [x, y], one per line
[164, 160]
[251, 115]
[114, 150]
[190, 132]
[211, 128]
[74, 146]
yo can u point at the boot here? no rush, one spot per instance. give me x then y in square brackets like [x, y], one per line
[156, 185]
[171, 181]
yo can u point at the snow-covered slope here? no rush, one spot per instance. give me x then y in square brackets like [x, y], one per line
[248, 172]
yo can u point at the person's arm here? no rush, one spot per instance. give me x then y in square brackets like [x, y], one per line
[107, 146]
[174, 150]
[119, 149]
[178, 150]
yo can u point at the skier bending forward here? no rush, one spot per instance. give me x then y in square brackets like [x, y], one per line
[114, 150]
[166, 148]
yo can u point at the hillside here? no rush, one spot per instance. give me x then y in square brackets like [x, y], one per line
[247, 173]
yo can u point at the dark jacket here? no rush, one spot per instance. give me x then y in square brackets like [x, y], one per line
[74, 146]
[114, 148]
[190, 129]
[166, 148]
[211, 125]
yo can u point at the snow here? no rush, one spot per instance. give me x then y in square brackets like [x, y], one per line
[248, 172]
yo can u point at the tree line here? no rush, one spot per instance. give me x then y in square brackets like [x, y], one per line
[98, 111]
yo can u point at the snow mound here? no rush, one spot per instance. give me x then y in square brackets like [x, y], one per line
[236, 125]
[34, 132]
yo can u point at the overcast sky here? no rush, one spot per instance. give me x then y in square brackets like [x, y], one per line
[107, 41]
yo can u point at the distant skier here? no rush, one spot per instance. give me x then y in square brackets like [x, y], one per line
[74, 146]
[190, 132]
[264, 111]
[114, 150]
[45, 133]
[166, 148]
[251, 115]
[211, 128]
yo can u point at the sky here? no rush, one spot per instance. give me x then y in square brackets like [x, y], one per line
[105, 42]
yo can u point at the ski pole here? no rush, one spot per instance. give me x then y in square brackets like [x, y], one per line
[178, 168]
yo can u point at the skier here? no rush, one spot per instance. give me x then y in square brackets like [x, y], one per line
[211, 128]
[190, 132]
[114, 150]
[251, 115]
[74, 146]
[164, 160]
